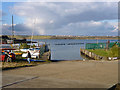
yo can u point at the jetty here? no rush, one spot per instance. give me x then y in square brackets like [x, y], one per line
[91, 55]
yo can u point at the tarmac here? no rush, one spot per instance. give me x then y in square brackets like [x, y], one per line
[64, 74]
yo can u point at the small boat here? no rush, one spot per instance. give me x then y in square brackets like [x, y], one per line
[24, 50]
[34, 60]
[18, 53]
[35, 52]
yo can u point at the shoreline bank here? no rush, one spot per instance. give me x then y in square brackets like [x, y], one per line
[66, 37]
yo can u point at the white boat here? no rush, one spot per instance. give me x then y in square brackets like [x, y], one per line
[24, 50]
[35, 52]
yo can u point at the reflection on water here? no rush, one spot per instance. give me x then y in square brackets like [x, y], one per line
[68, 49]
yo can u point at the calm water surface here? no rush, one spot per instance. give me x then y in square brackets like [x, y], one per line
[68, 49]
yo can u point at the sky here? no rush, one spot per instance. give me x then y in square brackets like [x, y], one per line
[61, 18]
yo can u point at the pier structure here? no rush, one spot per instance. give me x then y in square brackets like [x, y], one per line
[92, 55]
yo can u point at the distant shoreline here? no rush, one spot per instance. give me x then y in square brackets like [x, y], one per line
[64, 37]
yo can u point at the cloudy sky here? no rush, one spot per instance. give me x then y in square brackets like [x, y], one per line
[61, 18]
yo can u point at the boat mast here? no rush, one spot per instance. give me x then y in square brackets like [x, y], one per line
[12, 30]
[32, 32]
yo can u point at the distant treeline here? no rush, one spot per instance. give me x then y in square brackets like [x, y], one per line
[63, 37]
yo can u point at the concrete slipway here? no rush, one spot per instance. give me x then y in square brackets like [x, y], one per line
[64, 74]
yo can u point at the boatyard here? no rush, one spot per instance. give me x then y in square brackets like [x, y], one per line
[14, 55]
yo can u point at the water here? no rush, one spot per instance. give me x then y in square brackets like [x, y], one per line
[68, 49]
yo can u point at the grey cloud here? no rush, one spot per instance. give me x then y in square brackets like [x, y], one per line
[55, 18]
[18, 28]
[80, 28]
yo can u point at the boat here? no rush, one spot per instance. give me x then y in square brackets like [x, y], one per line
[38, 50]
[34, 60]
[24, 50]
[35, 52]
[18, 53]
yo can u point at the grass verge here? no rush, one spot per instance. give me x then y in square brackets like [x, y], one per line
[101, 52]
[18, 64]
[112, 52]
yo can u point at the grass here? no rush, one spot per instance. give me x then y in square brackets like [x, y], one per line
[62, 37]
[10, 65]
[101, 52]
[17, 64]
[112, 52]
[39, 37]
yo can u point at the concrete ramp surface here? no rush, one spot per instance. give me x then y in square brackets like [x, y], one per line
[64, 74]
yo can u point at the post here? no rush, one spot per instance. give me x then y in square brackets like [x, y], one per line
[107, 44]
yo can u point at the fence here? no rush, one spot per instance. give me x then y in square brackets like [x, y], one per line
[100, 45]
